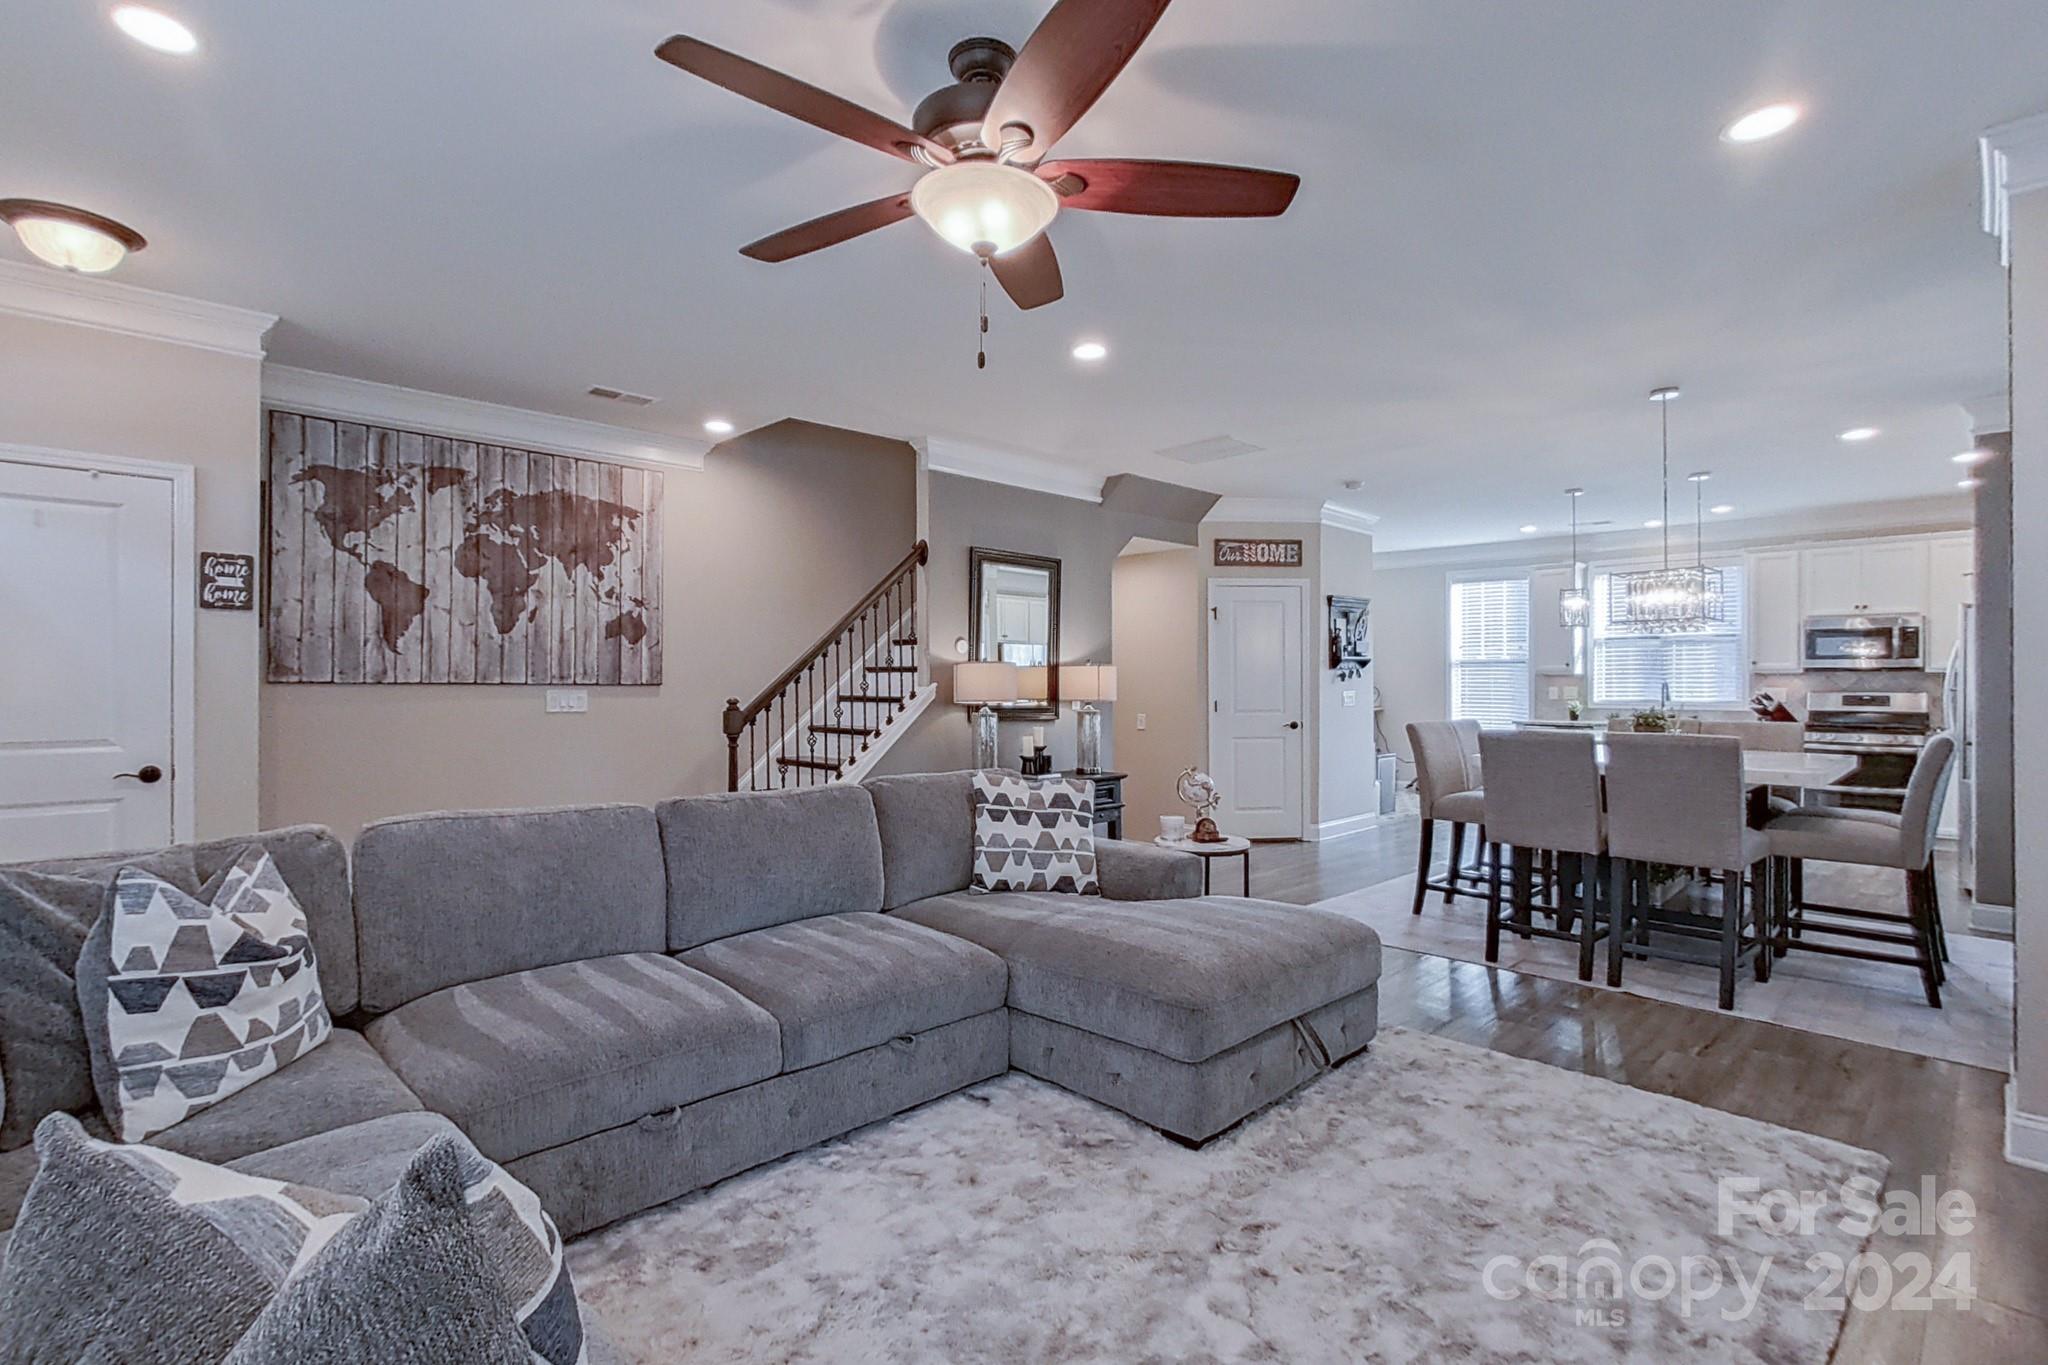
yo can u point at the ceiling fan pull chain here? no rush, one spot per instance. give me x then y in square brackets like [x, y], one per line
[981, 355]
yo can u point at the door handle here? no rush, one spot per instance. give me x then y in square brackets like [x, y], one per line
[146, 774]
[1294, 725]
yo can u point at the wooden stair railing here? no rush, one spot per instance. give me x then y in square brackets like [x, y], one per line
[823, 712]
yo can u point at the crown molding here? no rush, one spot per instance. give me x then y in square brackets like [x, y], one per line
[2014, 159]
[971, 460]
[42, 291]
[1307, 510]
[360, 400]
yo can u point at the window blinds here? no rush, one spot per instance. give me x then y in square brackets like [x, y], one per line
[1489, 640]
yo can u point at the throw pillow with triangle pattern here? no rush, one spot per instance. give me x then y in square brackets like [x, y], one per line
[1034, 835]
[188, 999]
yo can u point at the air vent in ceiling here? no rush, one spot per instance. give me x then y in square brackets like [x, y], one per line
[638, 400]
[1210, 450]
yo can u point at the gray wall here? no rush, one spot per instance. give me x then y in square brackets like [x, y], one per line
[782, 532]
[1084, 536]
[1991, 688]
[1346, 786]
[2030, 644]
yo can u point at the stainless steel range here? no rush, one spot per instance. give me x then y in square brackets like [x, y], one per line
[1884, 730]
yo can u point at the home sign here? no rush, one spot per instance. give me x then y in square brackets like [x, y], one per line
[1258, 554]
[227, 582]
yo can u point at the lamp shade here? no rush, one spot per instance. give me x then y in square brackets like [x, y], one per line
[1034, 682]
[975, 684]
[1087, 682]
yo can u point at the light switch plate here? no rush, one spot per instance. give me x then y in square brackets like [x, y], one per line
[566, 701]
[1350, 696]
[1141, 720]
[1553, 694]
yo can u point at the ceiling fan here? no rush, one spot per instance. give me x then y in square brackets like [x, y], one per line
[987, 187]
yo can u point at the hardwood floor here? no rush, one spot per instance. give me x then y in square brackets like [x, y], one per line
[1935, 1120]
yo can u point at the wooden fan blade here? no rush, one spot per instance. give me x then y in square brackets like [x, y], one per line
[1030, 274]
[788, 95]
[1066, 64]
[830, 230]
[1171, 189]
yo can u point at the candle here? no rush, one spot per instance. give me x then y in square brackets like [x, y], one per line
[1037, 737]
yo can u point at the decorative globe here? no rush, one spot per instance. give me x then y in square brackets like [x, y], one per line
[1197, 789]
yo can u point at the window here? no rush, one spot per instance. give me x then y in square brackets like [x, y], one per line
[1490, 651]
[1702, 668]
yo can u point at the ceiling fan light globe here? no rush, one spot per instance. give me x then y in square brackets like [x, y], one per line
[71, 246]
[971, 203]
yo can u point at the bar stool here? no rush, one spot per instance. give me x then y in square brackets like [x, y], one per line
[1447, 779]
[1677, 800]
[1867, 838]
[1543, 796]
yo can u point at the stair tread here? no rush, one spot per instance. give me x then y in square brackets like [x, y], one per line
[891, 668]
[820, 764]
[873, 698]
[862, 730]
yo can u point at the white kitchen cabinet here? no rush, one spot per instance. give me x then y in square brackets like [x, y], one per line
[1951, 583]
[1895, 576]
[1553, 646]
[1888, 576]
[1831, 580]
[1772, 585]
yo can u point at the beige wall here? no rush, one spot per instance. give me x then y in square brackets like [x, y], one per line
[1158, 620]
[2030, 644]
[783, 531]
[75, 388]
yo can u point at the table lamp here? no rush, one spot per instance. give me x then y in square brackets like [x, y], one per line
[978, 684]
[1083, 684]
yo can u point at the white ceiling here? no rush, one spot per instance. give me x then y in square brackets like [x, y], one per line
[1516, 219]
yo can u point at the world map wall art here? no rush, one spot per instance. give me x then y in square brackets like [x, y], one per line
[398, 557]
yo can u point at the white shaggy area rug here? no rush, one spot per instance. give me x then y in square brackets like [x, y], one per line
[1426, 1201]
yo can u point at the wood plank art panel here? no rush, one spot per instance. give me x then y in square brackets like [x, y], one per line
[400, 557]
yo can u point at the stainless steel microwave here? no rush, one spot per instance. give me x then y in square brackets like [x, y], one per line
[1843, 642]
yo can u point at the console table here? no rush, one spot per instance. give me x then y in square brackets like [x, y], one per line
[1109, 802]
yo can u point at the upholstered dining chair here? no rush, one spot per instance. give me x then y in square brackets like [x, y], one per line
[1765, 736]
[1447, 779]
[1543, 797]
[1867, 838]
[1677, 800]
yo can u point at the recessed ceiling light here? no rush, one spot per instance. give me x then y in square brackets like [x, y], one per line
[155, 29]
[1972, 482]
[1699, 477]
[69, 238]
[1090, 350]
[1971, 457]
[1529, 530]
[1722, 509]
[1652, 524]
[1759, 124]
[718, 426]
[1859, 434]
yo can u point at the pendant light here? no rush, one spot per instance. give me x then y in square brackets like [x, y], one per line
[1574, 608]
[1665, 601]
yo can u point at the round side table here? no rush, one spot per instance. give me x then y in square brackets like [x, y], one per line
[1232, 847]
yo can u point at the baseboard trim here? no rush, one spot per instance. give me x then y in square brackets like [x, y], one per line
[2026, 1135]
[1992, 919]
[1338, 829]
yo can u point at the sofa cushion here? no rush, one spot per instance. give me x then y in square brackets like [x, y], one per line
[926, 821]
[46, 909]
[753, 859]
[343, 1081]
[462, 896]
[187, 1000]
[840, 983]
[534, 1059]
[1184, 978]
[363, 1159]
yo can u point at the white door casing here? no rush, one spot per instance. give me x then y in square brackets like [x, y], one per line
[95, 670]
[1258, 705]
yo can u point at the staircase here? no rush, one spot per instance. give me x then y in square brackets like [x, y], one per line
[846, 700]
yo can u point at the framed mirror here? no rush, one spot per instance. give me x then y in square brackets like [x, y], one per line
[1013, 616]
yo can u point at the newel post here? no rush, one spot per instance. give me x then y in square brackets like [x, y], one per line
[735, 721]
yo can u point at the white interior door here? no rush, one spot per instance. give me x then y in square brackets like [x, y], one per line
[87, 619]
[1256, 711]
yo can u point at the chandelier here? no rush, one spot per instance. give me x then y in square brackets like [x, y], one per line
[1667, 600]
[1574, 608]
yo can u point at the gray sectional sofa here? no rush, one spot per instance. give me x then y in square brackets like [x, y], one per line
[622, 1005]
